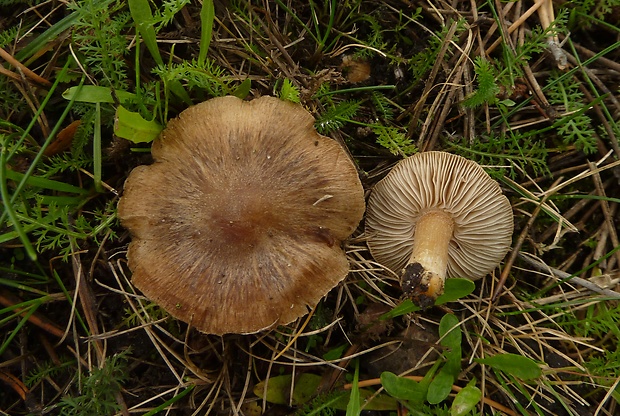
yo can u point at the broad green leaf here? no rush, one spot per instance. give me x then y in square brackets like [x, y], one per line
[465, 400]
[133, 127]
[279, 388]
[403, 388]
[450, 331]
[440, 387]
[455, 289]
[513, 364]
[95, 94]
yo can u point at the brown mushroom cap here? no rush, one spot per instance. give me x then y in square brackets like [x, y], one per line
[237, 225]
[441, 182]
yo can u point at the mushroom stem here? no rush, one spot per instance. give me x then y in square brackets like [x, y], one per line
[424, 276]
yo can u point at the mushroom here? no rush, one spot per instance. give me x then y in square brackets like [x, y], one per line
[436, 215]
[237, 225]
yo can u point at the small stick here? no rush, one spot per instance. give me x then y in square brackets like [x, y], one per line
[9, 58]
[8, 300]
[516, 24]
[609, 222]
[540, 265]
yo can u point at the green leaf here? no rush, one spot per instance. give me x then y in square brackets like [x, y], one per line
[279, 388]
[133, 127]
[450, 332]
[306, 385]
[378, 402]
[51, 34]
[455, 289]
[394, 140]
[404, 308]
[487, 84]
[466, 400]
[46, 183]
[354, 405]
[207, 14]
[337, 116]
[403, 388]
[170, 402]
[513, 364]
[143, 18]
[95, 94]
[335, 353]
[441, 385]
[243, 89]
[616, 394]
[289, 92]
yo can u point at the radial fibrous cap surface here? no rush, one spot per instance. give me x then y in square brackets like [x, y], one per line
[237, 225]
[439, 181]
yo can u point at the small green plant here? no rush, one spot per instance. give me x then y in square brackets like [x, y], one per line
[49, 369]
[288, 92]
[99, 36]
[99, 389]
[487, 87]
[204, 76]
[432, 391]
[599, 321]
[422, 62]
[574, 127]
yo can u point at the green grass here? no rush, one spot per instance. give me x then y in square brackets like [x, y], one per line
[71, 323]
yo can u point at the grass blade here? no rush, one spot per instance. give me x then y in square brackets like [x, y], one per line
[207, 14]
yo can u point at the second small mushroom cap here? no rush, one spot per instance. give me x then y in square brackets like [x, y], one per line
[443, 183]
[237, 225]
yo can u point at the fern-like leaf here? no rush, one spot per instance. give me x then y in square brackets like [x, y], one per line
[289, 92]
[487, 87]
[394, 140]
[382, 105]
[337, 116]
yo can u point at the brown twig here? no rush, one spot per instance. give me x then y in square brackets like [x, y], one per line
[16, 384]
[9, 300]
[559, 274]
[609, 222]
[9, 58]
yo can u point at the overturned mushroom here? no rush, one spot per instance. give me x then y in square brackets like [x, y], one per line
[237, 225]
[436, 215]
